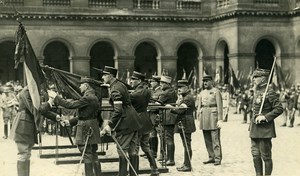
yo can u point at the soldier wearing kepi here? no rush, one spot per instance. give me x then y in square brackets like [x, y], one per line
[210, 113]
[168, 96]
[124, 120]
[185, 122]
[87, 123]
[262, 127]
[140, 98]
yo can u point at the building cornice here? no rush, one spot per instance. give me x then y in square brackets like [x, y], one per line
[150, 17]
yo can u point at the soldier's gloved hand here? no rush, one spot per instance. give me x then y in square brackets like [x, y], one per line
[219, 124]
[52, 94]
[260, 119]
[105, 130]
[65, 123]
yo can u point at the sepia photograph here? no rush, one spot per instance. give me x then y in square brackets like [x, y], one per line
[149, 87]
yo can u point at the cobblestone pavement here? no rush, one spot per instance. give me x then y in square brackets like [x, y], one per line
[237, 159]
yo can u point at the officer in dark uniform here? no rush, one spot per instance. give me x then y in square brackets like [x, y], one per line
[87, 123]
[210, 115]
[262, 127]
[186, 122]
[154, 115]
[140, 98]
[168, 96]
[124, 120]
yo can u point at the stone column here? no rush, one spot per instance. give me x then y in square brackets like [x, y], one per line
[124, 63]
[169, 63]
[80, 65]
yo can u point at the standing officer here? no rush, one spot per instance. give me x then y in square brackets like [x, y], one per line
[210, 112]
[262, 127]
[140, 98]
[292, 107]
[26, 126]
[168, 96]
[124, 120]
[87, 123]
[185, 122]
[226, 101]
[154, 115]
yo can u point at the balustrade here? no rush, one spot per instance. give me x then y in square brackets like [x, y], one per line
[188, 4]
[103, 3]
[146, 4]
[272, 2]
[56, 2]
[13, 2]
[222, 3]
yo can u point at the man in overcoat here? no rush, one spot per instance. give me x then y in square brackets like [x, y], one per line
[124, 120]
[87, 124]
[140, 99]
[262, 126]
[210, 116]
[26, 126]
[185, 125]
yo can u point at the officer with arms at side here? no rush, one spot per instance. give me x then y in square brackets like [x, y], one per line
[262, 127]
[87, 123]
[168, 96]
[210, 116]
[124, 120]
[140, 98]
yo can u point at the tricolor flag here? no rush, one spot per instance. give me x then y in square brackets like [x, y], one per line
[34, 75]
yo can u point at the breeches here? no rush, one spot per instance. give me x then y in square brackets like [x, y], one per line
[128, 143]
[24, 151]
[144, 142]
[90, 154]
[261, 147]
[169, 133]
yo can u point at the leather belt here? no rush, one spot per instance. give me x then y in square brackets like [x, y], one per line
[209, 106]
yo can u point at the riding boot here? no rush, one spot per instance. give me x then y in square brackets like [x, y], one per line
[258, 166]
[97, 168]
[122, 166]
[5, 131]
[268, 167]
[134, 162]
[153, 166]
[154, 146]
[88, 169]
[23, 168]
[170, 153]
[187, 161]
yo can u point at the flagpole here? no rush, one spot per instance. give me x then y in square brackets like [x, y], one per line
[269, 80]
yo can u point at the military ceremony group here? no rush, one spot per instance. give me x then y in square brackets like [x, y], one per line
[147, 117]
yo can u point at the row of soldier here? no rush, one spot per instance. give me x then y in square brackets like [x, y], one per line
[132, 126]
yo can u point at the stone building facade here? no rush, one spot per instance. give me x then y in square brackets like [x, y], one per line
[173, 37]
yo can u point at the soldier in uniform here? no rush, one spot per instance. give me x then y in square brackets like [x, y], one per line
[140, 99]
[291, 107]
[185, 122]
[226, 101]
[168, 96]
[87, 123]
[124, 120]
[154, 115]
[262, 127]
[26, 125]
[210, 116]
[9, 105]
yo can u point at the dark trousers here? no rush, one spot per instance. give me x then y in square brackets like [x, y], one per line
[90, 154]
[213, 144]
[186, 139]
[261, 149]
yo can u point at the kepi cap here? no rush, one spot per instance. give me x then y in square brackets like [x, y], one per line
[138, 75]
[155, 78]
[182, 83]
[166, 79]
[110, 70]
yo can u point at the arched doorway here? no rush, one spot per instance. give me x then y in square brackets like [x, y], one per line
[145, 59]
[102, 54]
[56, 54]
[264, 54]
[7, 71]
[187, 61]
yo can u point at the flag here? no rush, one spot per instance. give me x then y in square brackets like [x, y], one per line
[234, 82]
[33, 72]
